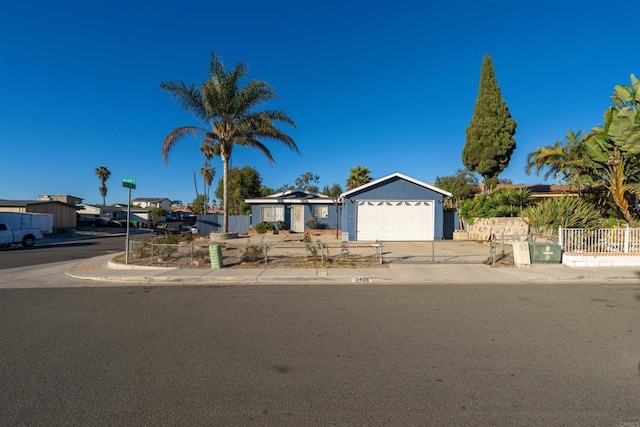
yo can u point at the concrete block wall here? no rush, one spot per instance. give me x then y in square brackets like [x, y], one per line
[483, 228]
[577, 260]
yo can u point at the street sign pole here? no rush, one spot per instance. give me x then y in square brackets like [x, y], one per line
[130, 184]
[126, 248]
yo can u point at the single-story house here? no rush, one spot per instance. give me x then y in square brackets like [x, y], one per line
[64, 214]
[151, 203]
[298, 209]
[64, 198]
[394, 208]
[101, 211]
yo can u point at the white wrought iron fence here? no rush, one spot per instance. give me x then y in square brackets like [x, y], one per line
[601, 240]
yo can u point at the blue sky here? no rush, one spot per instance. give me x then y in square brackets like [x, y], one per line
[387, 85]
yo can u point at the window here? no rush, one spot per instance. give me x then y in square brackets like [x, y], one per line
[272, 213]
[321, 211]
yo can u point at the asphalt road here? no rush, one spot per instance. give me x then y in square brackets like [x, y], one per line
[321, 355]
[44, 253]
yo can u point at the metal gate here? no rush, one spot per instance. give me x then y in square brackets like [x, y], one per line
[437, 252]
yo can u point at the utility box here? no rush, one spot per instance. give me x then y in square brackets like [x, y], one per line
[545, 253]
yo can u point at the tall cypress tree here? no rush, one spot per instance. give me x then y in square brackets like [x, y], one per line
[490, 135]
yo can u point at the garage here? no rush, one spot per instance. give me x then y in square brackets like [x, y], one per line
[393, 220]
[393, 208]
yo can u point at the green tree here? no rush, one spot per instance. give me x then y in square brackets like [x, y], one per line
[231, 112]
[103, 174]
[490, 135]
[614, 149]
[462, 185]
[244, 183]
[358, 175]
[198, 206]
[308, 182]
[266, 191]
[157, 213]
[334, 191]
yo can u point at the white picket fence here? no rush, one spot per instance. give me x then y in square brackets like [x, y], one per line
[599, 241]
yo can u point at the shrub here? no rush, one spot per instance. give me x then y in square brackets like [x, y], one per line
[281, 225]
[253, 252]
[566, 212]
[310, 246]
[312, 223]
[263, 227]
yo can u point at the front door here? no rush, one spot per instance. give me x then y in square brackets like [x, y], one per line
[297, 219]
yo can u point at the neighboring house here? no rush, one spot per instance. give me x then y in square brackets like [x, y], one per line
[152, 203]
[101, 211]
[64, 214]
[64, 198]
[295, 208]
[544, 191]
[394, 208]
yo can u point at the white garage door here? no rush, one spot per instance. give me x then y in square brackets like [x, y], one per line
[395, 220]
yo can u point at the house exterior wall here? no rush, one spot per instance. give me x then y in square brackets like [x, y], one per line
[150, 204]
[393, 189]
[329, 222]
[64, 216]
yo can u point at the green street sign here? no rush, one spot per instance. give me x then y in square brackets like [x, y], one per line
[129, 183]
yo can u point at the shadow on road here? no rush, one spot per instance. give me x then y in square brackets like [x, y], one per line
[50, 245]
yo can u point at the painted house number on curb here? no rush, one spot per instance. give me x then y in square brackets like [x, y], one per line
[362, 279]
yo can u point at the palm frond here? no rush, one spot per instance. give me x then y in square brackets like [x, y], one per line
[189, 97]
[175, 137]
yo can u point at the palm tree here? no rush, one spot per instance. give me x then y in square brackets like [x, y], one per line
[103, 174]
[230, 111]
[207, 173]
[566, 159]
[358, 176]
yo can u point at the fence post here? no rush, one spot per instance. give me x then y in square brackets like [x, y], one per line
[626, 239]
[560, 239]
[433, 251]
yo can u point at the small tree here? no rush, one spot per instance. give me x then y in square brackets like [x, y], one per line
[490, 136]
[462, 185]
[308, 182]
[156, 213]
[334, 192]
[198, 205]
[243, 183]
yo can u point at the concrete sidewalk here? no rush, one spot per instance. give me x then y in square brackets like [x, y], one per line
[104, 269]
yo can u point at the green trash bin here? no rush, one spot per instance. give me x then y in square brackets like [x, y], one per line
[215, 254]
[545, 253]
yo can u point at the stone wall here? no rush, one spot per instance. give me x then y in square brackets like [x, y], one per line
[483, 228]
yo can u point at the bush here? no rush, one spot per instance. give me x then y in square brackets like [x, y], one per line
[253, 252]
[310, 246]
[263, 227]
[314, 224]
[566, 212]
[281, 225]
